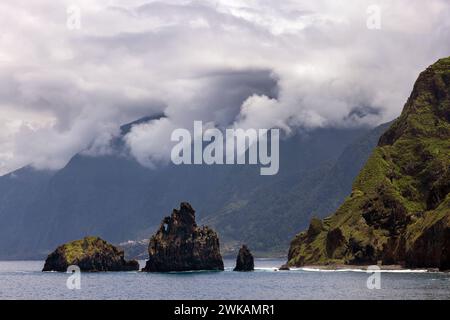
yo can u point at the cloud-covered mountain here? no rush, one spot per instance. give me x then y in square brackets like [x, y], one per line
[231, 63]
[115, 197]
[310, 68]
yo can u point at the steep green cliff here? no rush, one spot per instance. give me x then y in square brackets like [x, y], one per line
[399, 208]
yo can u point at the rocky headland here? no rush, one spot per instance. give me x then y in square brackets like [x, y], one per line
[398, 212]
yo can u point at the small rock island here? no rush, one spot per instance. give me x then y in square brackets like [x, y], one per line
[180, 245]
[244, 260]
[91, 254]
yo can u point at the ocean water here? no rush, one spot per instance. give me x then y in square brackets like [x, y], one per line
[24, 280]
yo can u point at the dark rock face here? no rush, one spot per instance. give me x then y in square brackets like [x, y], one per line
[335, 240]
[89, 254]
[180, 245]
[432, 248]
[385, 212]
[360, 252]
[315, 227]
[244, 261]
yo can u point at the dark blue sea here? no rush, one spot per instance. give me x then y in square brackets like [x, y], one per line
[24, 280]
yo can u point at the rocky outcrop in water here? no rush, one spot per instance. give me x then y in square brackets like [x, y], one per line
[181, 245]
[89, 254]
[244, 260]
[399, 208]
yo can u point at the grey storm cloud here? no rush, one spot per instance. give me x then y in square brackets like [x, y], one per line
[233, 63]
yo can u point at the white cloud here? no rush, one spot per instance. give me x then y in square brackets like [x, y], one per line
[249, 63]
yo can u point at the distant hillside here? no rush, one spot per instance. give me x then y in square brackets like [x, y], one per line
[117, 199]
[268, 215]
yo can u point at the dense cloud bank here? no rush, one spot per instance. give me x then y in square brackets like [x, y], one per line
[249, 64]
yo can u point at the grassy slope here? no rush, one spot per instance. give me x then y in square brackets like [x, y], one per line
[89, 246]
[401, 192]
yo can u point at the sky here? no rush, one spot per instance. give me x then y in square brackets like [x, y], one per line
[67, 84]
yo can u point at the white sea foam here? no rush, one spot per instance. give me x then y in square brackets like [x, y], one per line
[360, 270]
[266, 269]
[310, 269]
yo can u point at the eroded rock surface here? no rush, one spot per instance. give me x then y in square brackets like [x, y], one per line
[181, 245]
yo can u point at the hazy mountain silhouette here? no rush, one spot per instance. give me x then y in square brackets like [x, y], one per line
[116, 198]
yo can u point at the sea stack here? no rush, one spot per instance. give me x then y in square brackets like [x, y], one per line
[90, 254]
[180, 245]
[244, 260]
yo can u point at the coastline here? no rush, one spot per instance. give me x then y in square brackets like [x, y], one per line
[365, 268]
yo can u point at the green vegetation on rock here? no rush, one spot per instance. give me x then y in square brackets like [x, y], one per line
[399, 209]
[89, 254]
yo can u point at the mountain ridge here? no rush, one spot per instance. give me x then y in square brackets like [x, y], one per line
[116, 198]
